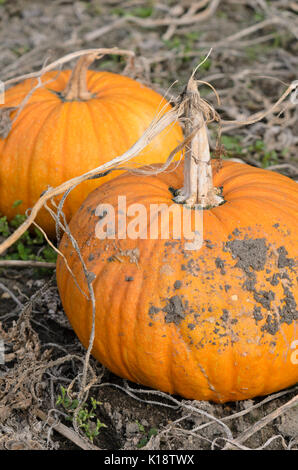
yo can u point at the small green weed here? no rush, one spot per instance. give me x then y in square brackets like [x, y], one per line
[266, 157]
[185, 44]
[140, 12]
[30, 246]
[234, 148]
[258, 16]
[232, 144]
[147, 434]
[86, 416]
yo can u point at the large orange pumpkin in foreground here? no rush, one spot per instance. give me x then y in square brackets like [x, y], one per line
[70, 126]
[217, 323]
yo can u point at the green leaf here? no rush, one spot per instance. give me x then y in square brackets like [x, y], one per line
[232, 144]
[18, 220]
[142, 12]
[4, 228]
[49, 254]
[152, 432]
[141, 427]
[142, 442]
[17, 203]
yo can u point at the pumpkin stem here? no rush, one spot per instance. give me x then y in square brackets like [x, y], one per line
[76, 88]
[198, 186]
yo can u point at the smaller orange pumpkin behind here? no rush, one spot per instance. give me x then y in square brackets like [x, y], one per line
[74, 123]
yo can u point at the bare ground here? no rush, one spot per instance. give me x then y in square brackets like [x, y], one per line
[254, 58]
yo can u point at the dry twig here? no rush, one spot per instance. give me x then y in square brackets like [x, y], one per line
[65, 431]
[12, 263]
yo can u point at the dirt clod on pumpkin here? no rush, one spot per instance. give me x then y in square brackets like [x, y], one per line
[283, 261]
[220, 264]
[174, 310]
[252, 256]
[177, 284]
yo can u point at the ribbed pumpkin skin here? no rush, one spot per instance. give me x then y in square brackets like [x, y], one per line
[53, 141]
[239, 291]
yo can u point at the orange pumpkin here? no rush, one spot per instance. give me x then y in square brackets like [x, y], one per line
[74, 123]
[216, 323]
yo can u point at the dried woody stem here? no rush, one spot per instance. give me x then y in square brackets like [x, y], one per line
[198, 187]
[76, 89]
